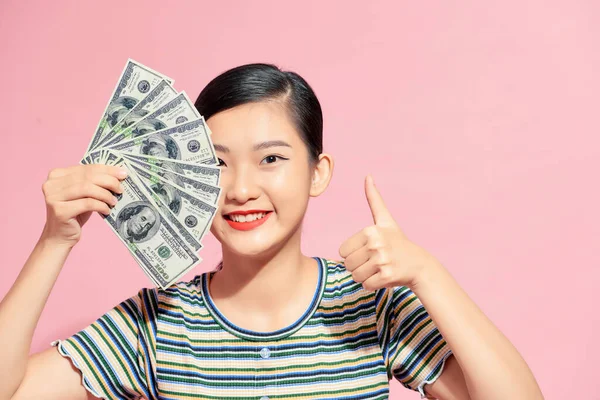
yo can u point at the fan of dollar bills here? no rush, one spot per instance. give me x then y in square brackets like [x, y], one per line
[170, 197]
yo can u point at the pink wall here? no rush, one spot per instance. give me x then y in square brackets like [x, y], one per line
[479, 123]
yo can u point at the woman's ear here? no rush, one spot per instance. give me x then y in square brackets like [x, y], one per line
[322, 173]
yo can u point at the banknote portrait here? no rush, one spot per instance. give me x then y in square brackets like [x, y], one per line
[161, 146]
[133, 117]
[118, 109]
[146, 126]
[171, 167]
[138, 222]
[168, 193]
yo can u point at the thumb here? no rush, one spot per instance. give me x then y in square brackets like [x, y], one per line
[381, 215]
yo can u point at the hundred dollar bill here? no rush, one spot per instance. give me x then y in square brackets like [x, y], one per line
[160, 95]
[183, 226]
[112, 159]
[176, 111]
[150, 238]
[204, 173]
[188, 142]
[163, 208]
[93, 157]
[204, 191]
[201, 190]
[193, 213]
[134, 84]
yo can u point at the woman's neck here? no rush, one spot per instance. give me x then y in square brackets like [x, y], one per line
[284, 274]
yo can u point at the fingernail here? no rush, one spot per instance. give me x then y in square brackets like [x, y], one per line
[114, 201]
[122, 173]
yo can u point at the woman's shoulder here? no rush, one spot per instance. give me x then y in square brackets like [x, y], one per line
[332, 263]
[187, 292]
[335, 268]
[341, 281]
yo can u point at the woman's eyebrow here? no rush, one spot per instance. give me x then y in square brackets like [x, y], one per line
[258, 146]
[269, 144]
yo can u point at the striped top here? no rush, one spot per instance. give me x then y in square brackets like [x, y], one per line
[175, 344]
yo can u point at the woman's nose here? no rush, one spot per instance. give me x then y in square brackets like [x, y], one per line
[242, 186]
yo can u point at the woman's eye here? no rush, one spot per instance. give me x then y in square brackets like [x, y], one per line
[271, 159]
[220, 162]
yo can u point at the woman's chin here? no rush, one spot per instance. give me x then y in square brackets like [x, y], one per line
[248, 248]
[252, 243]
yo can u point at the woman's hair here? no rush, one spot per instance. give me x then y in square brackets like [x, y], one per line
[263, 82]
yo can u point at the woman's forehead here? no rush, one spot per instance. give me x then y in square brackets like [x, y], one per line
[252, 123]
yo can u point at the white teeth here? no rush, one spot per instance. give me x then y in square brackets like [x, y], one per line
[246, 218]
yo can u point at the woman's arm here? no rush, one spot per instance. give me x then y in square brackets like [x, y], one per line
[381, 256]
[492, 367]
[71, 195]
[20, 311]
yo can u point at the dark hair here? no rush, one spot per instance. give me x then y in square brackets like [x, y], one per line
[259, 82]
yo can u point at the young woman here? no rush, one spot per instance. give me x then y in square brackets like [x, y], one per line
[270, 322]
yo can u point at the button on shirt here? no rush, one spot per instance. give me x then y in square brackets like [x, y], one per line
[265, 353]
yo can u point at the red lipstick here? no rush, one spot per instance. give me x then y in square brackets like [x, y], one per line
[246, 226]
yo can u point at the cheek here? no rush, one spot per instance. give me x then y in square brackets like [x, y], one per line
[288, 188]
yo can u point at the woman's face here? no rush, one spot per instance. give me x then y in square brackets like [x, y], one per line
[264, 167]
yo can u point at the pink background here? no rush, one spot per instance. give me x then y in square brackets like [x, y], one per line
[479, 122]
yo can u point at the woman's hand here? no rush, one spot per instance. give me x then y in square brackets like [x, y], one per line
[381, 255]
[73, 193]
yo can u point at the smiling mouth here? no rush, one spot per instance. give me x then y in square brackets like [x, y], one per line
[245, 222]
[247, 217]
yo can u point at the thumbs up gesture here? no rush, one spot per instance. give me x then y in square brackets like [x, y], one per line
[381, 255]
